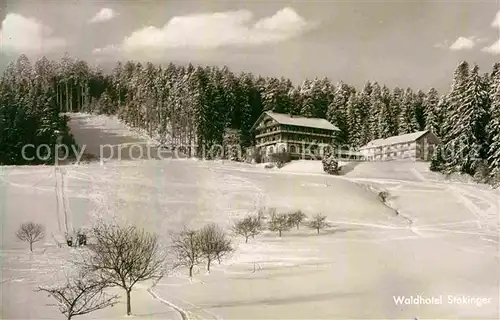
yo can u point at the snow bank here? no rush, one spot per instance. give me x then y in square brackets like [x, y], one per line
[401, 170]
[307, 166]
[311, 166]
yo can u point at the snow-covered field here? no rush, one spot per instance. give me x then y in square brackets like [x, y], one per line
[353, 270]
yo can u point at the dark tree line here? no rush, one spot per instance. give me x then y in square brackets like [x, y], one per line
[467, 120]
[203, 106]
[30, 102]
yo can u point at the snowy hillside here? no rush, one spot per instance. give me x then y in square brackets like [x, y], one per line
[444, 241]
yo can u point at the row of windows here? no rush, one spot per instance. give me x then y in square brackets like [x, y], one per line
[292, 149]
[293, 137]
[267, 130]
[267, 139]
[418, 151]
[398, 155]
[394, 147]
[402, 145]
[286, 138]
[293, 128]
[394, 155]
[305, 129]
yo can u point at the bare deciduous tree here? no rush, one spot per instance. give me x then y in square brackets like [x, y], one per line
[213, 243]
[247, 227]
[296, 218]
[31, 232]
[187, 249]
[318, 222]
[383, 196]
[223, 248]
[80, 295]
[123, 256]
[279, 222]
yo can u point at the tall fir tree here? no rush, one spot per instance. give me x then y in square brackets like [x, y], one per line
[441, 112]
[454, 99]
[397, 95]
[437, 159]
[316, 98]
[432, 119]
[495, 75]
[419, 109]
[364, 105]
[386, 122]
[389, 106]
[354, 120]
[493, 131]
[338, 113]
[376, 106]
[270, 91]
[467, 134]
[296, 100]
[407, 118]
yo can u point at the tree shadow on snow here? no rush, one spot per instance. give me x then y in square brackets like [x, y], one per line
[284, 301]
[307, 234]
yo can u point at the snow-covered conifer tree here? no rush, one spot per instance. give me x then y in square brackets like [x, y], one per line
[431, 105]
[467, 134]
[493, 131]
[407, 120]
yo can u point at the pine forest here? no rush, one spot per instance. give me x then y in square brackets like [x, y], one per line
[184, 105]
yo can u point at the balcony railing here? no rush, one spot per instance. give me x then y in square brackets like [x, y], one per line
[299, 142]
[279, 130]
[307, 133]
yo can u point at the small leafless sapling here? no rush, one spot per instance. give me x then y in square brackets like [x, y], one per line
[80, 295]
[318, 222]
[296, 218]
[31, 232]
[187, 249]
[279, 222]
[214, 244]
[124, 256]
[247, 227]
[383, 196]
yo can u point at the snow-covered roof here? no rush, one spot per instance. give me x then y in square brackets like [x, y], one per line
[404, 138]
[299, 121]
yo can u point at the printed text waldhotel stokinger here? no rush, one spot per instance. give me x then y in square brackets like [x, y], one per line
[442, 299]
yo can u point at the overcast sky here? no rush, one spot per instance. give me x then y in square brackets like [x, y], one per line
[398, 43]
